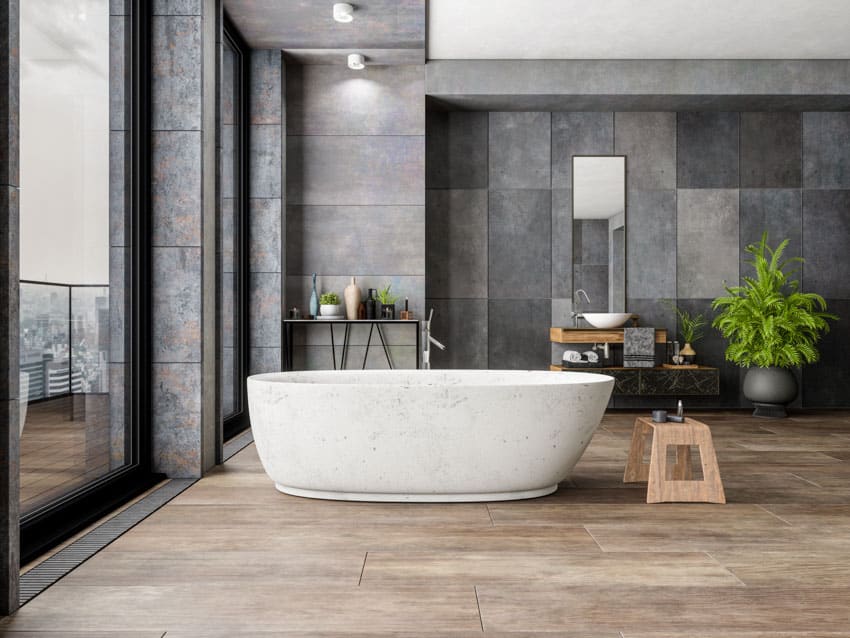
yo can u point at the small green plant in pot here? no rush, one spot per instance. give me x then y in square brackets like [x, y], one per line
[329, 305]
[387, 302]
[690, 328]
[771, 327]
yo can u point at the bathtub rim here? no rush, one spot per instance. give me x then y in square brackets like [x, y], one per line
[554, 378]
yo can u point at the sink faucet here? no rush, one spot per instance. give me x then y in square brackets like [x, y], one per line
[575, 314]
[427, 341]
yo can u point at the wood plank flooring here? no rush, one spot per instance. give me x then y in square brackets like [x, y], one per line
[233, 557]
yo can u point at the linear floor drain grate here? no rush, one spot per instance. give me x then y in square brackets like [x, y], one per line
[69, 558]
[238, 443]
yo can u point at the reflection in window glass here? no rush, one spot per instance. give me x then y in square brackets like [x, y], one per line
[73, 141]
[229, 238]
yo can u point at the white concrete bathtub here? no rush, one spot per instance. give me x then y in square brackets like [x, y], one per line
[424, 435]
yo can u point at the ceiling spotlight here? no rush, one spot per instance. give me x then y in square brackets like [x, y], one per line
[356, 61]
[343, 12]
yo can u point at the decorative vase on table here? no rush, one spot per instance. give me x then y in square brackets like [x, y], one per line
[688, 353]
[331, 311]
[314, 299]
[352, 299]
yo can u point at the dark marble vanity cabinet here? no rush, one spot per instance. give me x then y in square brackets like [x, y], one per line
[649, 382]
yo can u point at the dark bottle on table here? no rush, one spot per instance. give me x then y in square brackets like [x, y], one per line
[371, 305]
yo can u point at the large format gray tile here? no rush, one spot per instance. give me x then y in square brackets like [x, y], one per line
[177, 7]
[770, 150]
[578, 133]
[356, 170]
[590, 242]
[707, 150]
[456, 243]
[827, 382]
[265, 309]
[322, 357]
[519, 334]
[456, 149]
[118, 303]
[337, 240]
[266, 86]
[324, 99]
[461, 325]
[519, 150]
[264, 228]
[826, 150]
[176, 414]
[262, 360]
[707, 245]
[176, 188]
[265, 157]
[520, 244]
[777, 211]
[562, 243]
[119, 40]
[176, 285]
[651, 244]
[119, 209]
[826, 220]
[648, 140]
[177, 69]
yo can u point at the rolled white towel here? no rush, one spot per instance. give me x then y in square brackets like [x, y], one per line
[591, 356]
[572, 356]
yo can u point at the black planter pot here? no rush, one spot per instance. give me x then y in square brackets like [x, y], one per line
[770, 390]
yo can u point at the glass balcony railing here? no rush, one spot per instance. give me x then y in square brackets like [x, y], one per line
[64, 347]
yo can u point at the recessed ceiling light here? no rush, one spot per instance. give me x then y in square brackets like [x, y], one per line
[356, 61]
[343, 12]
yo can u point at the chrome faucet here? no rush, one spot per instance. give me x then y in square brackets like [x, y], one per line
[427, 341]
[575, 314]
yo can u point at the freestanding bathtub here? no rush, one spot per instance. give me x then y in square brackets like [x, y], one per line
[424, 435]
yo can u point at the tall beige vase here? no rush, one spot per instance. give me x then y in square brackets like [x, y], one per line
[352, 299]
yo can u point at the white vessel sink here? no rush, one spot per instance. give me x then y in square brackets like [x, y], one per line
[607, 320]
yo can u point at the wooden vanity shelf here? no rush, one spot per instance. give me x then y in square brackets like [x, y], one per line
[595, 335]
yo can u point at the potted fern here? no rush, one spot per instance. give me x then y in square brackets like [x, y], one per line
[330, 305]
[771, 327]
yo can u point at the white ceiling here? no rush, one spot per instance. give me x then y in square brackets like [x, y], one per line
[638, 29]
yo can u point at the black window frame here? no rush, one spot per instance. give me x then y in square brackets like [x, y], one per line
[49, 525]
[238, 422]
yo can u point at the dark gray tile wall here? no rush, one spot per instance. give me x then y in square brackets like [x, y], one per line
[9, 300]
[355, 196]
[183, 212]
[265, 210]
[701, 187]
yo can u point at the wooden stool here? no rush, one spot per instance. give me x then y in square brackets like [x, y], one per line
[681, 488]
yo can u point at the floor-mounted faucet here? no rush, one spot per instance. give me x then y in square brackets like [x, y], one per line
[427, 340]
[576, 315]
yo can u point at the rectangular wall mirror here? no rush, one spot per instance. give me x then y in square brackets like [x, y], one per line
[599, 233]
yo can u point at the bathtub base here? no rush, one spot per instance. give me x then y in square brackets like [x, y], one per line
[389, 497]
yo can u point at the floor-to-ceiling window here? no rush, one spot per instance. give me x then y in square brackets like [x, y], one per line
[79, 261]
[232, 233]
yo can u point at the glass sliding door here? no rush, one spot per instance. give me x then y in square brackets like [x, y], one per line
[232, 234]
[82, 442]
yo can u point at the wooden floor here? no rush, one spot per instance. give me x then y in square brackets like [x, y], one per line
[60, 450]
[232, 557]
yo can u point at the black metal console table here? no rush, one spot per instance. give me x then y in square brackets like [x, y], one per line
[375, 325]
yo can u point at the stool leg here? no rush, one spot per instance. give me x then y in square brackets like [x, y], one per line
[657, 469]
[636, 470]
[714, 492]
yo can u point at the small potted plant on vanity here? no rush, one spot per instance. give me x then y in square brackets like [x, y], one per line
[771, 327]
[691, 331]
[329, 305]
[387, 302]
